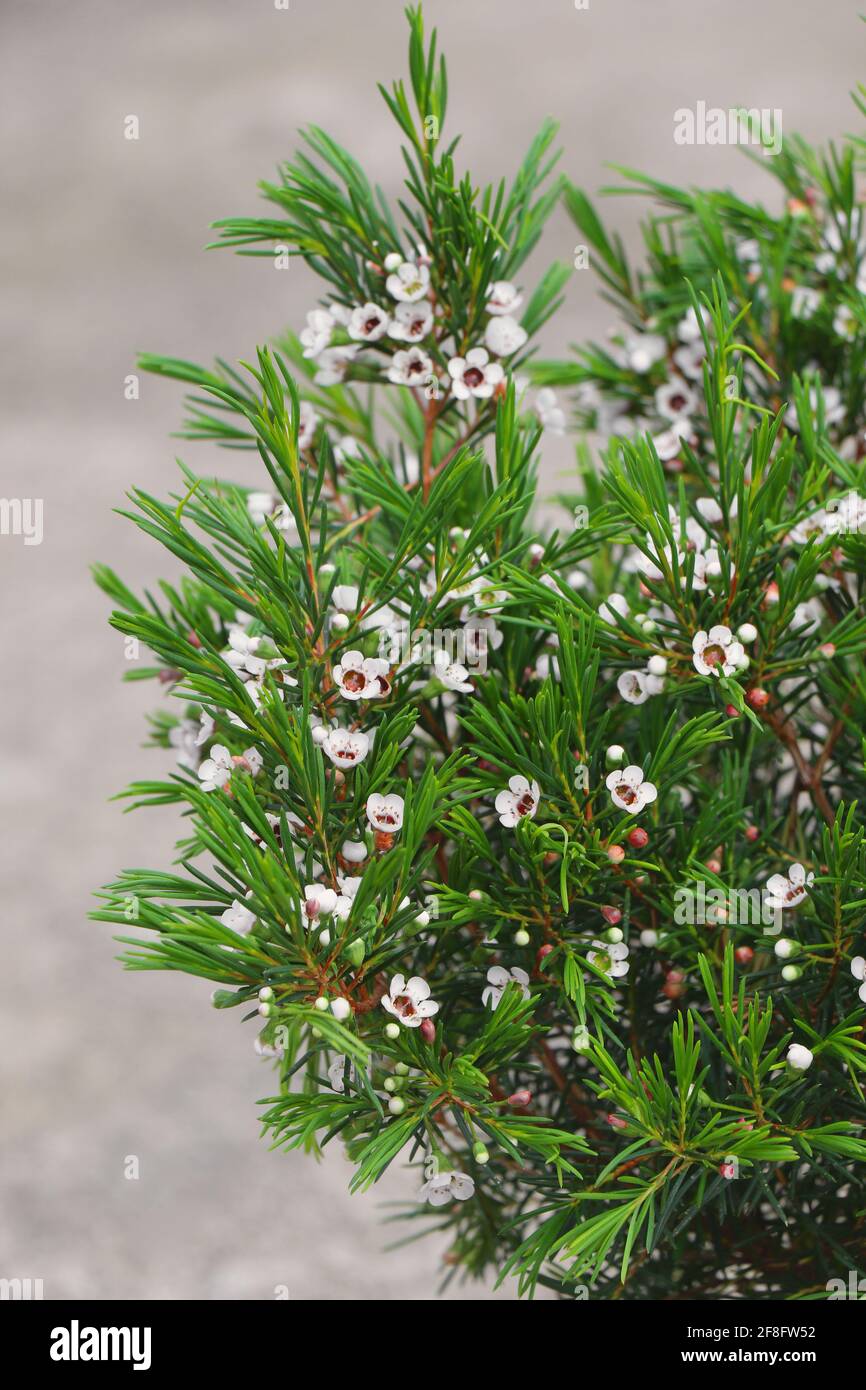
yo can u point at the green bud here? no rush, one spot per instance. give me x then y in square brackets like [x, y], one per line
[356, 951]
[479, 1152]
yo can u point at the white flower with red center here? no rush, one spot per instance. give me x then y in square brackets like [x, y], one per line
[307, 423]
[689, 357]
[446, 1187]
[408, 280]
[717, 653]
[628, 789]
[610, 958]
[333, 364]
[858, 970]
[362, 677]
[503, 298]
[676, 399]
[318, 332]
[505, 335]
[411, 367]
[409, 1001]
[345, 748]
[451, 673]
[789, 890]
[368, 323]
[238, 918]
[411, 322]
[498, 980]
[474, 375]
[518, 802]
[385, 813]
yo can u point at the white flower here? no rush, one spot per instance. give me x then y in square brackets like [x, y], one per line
[207, 722]
[804, 302]
[368, 323]
[716, 652]
[239, 918]
[519, 801]
[643, 350]
[319, 901]
[345, 748]
[834, 409]
[185, 738]
[474, 375]
[409, 1001]
[345, 597]
[633, 687]
[611, 959]
[675, 399]
[318, 332]
[668, 444]
[858, 970]
[498, 981]
[689, 357]
[504, 336]
[216, 770]
[411, 322]
[408, 282]
[788, 891]
[307, 422]
[333, 364]
[337, 1072]
[688, 328]
[362, 677]
[385, 812]
[503, 297]
[799, 1057]
[844, 323]
[549, 412]
[411, 367]
[442, 1187]
[452, 675]
[628, 790]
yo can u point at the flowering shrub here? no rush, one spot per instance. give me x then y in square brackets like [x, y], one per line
[534, 861]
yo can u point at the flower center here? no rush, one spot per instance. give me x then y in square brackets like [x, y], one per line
[354, 680]
[473, 377]
[714, 655]
[525, 804]
[626, 793]
[404, 1006]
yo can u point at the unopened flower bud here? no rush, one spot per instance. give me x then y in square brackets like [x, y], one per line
[747, 632]
[321, 1003]
[479, 1152]
[341, 1008]
[428, 1030]
[266, 994]
[611, 915]
[340, 622]
[396, 1105]
[744, 955]
[615, 755]
[392, 1031]
[615, 853]
[520, 1099]
[785, 948]
[790, 973]
[580, 1039]
[649, 937]
[638, 838]
[521, 937]
[657, 666]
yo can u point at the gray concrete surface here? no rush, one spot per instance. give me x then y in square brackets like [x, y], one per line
[100, 254]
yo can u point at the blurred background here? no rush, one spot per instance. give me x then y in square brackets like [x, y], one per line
[101, 255]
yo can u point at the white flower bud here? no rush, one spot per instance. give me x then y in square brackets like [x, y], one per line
[423, 919]
[657, 666]
[799, 1057]
[615, 755]
[784, 948]
[521, 937]
[321, 1004]
[649, 937]
[266, 994]
[747, 632]
[392, 1031]
[580, 1040]
[790, 973]
[340, 621]
[341, 1008]
[396, 1105]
